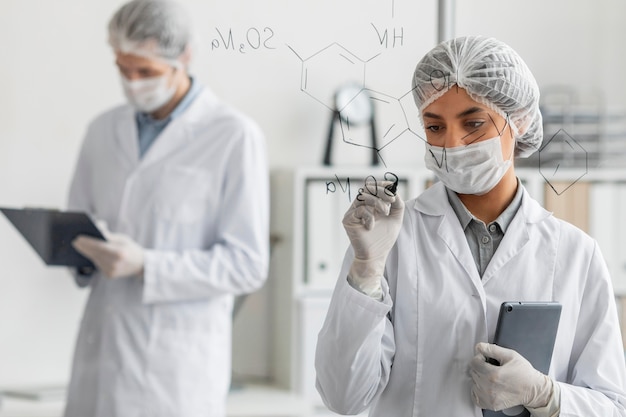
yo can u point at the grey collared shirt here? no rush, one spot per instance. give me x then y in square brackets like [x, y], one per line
[484, 239]
[149, 129]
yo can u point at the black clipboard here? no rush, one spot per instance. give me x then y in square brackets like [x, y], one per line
[530, 329]
[50, 233]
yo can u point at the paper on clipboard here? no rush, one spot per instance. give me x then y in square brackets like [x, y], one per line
[50, 233]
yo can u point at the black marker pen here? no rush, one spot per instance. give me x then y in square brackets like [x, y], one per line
[392, 188]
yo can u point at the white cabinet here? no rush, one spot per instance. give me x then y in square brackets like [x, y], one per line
[596, 203]
[308, 205]
[608, 225]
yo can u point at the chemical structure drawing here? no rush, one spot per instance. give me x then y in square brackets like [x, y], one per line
[392, 114]
[562, 152]
[334, 72]
[412, 116]
[394, 119]
[334, 59]
[386, 106]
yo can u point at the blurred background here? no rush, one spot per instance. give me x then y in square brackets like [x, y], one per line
[281, 63]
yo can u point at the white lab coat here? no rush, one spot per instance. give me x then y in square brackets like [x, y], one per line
[409, 354]
[198, 201]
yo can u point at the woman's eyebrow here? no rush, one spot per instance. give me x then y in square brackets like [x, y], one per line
[471, 110]
[464, 113]
[431, 115]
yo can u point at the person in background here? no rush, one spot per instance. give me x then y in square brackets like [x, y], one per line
[416, 304]
[181, 181]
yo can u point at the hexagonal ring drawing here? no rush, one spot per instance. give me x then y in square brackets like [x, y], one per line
[560, 152]
[389, 107]
[328, 69]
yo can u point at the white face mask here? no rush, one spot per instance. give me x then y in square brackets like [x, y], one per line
[148, 94]
[472, 169]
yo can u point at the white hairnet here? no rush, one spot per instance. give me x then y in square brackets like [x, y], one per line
[152, 28]
[493, 74]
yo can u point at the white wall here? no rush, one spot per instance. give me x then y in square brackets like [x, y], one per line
[57, 73]
[577, 43]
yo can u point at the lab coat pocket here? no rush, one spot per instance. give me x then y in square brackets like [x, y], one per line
[183, 195]
[191, 347]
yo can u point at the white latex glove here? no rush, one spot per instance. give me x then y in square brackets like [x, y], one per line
[514, 382]
[116, 257]
[372, 224]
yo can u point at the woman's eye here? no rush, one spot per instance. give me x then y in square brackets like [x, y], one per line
[432, 128]
[146, 73]
[475, 124]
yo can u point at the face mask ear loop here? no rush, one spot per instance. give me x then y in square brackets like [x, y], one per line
[510, 158]
[176, 65]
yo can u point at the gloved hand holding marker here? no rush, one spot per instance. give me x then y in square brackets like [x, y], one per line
[372, 224]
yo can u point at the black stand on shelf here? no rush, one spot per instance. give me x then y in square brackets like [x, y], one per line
[344, 116]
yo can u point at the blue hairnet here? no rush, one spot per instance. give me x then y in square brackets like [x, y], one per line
[157, 28]
[493, 74]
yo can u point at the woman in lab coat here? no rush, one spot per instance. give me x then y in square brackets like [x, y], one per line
[417, 301]
[181, 181]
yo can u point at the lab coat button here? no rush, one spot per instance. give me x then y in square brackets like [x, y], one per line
[485, 239]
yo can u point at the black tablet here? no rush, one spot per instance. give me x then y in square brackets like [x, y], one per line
[530, 329]
[50, 233]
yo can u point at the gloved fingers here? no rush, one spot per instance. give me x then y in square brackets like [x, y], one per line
[100, 252]
[482, 393]
[488, 394]
[397, 205]
[118, 239]
[492, 351]
[380, 189]
[364, 212]
[512, 383]
[480, 366]
[365, 215]
[92, 254]
[377, 203]
[383, 190]
[476, 397]
[485, 382]
[115, 258]
[354, 217]
[89, 246]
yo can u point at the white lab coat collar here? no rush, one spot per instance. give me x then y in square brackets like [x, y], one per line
[179, 129]
[434, 202]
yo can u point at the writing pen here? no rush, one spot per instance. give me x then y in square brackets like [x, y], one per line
[392, 187]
